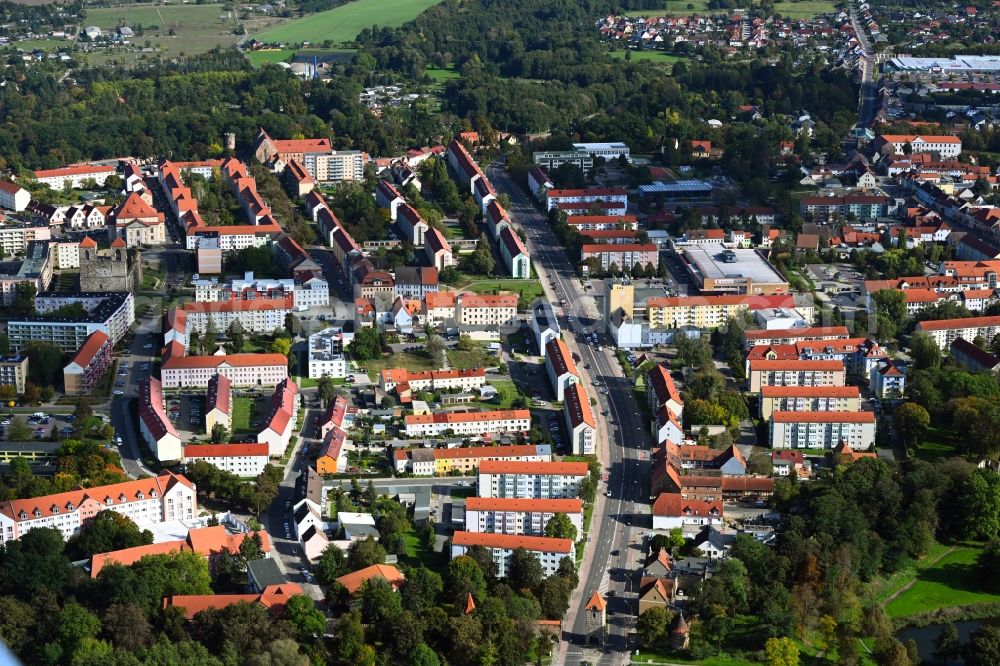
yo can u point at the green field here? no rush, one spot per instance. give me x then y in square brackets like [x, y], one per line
[442, 75]
[258, 58]
[415, 361]
[951, 581]
[807, 9]
[655, 57]
[476, 358]
[527, 289]
[343, 23]
[242, 414]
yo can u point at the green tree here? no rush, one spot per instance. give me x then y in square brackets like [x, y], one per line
[327, 392]
[421, 589]
[379, 602]
[107, 531]
[983, 648]
[423, 655]
[462, 578]
[781, 652]
[911, 422]
[924, 351]
[367, 344]
[127, 627]
[947, 645]
[24, 299]
[281, 346]
[481, 261]
[219, 433]
[980, 499]
[365, 553]
[890, 312]
[75, 624]
[307, 620]
[17, 623]
[653, 625]
[560, 527]
[331, 565]
[237, 338]
[554, 594]
[588, 490]
[524, 571]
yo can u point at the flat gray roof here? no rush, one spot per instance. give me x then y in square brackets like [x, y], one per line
[707, 260]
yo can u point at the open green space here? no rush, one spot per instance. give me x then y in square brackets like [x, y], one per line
[807, 9]
[881, 589]
[938, 443]
[526, 289]
[475, 358]
[442, 74]
[342, 24]
[196, 28]
[418, 553]
[409, 360]
[950, 581]
[242, 414]
[655, 57]
[258, 58]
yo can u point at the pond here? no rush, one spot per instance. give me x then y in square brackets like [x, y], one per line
[925, 637]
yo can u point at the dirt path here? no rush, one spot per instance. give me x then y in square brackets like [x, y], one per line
[898, 592]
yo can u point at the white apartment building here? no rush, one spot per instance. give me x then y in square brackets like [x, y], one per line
[66, 254]
[245, 460]
[387, 196]
[947, 146]
[241, 369]
[946, 331]
[531, 480]
[74, 176]
[314, 292]
[614, 200]
[581, 426]
[335, 166]
[146, 501]
[466, 380]
[13, 197]
[111, 313]
[468, 423]
[233, 238]
[765, 372]
[560, 367]
[822, 430]
[14, 238]
[519, 516]
[326, 353]
[465, 459]
[411, 225]
[609, 151]
[548, 551]
[486, 310]
[256, 316]
[808, 399]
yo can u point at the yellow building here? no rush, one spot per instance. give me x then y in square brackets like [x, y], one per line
[707, 311]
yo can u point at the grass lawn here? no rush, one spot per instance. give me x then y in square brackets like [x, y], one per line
[656, 57]
[588, 513]
[506, 391]
[808, 9]
[527, 289]
[309, 382]
[342, 24]
[476, 358]
[938, 443]
[951, 581]
[258, 58]
[881, 589]
[418, 553]
[151, 279]
[442, 74]
[197, 28]
[409, 360]
[242, 414]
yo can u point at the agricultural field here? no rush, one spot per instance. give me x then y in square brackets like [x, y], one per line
[807, 9]
[343, 23]
[656, 57]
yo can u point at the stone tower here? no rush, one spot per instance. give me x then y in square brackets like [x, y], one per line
[597, 619]
[230, 140]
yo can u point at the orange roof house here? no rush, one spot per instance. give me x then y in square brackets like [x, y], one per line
[353, 582]
[274, 598]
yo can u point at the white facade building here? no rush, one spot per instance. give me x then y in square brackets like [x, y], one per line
[531, 480]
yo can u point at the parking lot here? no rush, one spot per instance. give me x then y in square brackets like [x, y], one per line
[187, 412]
[42, 427]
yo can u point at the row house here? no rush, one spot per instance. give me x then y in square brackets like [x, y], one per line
[468, 423]
[464, 459]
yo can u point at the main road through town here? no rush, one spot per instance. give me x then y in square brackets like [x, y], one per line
[621, 512]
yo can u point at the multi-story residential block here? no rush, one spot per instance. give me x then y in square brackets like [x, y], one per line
[581, 426]
[35, 269]
[336, 166]
[465, 459]
[154, 500]
[888, 380]
[945, 331]
[13, 197]
[179, 370]
[544, 326]
[795, 373]
[411, 224]
[673, 510]
[515, 254]
[972, 358]
[76, 176]
[611, 200]
[497, 219]
[438, 250]
[255, 316]
[862, 206]
[415, 282]
[14, 372]
[401, 379]
[946, 145]
[312, 290]
[822, 430]
[486, 309]
[468, 423]
[583, 223]
[548, 551]
[15, 237]
[245, 460]
[464, 166]
[440, 307]
[808, 399]
[531, 480]
[561, 367]
[388, 197]
[483, 193]
[791, 336]
[154, 426]
[519, 516]
[662, 391]
[111, 313]
[326, 353]
[219, 407]
[708, 311]
[282, 418]
[621, 257]
[87, 366]
[539, 183]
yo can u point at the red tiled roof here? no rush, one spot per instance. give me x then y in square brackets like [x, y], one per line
[512, 542]
[810, 392]
[234, 450]
[793, 365]
[674, 505]
[523, 505]
[968, 322]
[823, 417]
[77, 170]
[469, 417]
[840, 331]
[236, 360]
[390, 574]
[219, 393]
[88, 350]
[577, 404]
[559, 355]
[273, 596]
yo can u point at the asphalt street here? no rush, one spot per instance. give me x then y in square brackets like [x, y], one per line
[620, 518]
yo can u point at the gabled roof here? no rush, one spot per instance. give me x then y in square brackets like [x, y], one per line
[559, 356]
[390, 574]
[516, 467]
[512, 542]
[597, 602]
[577, 405]
[88, 350]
